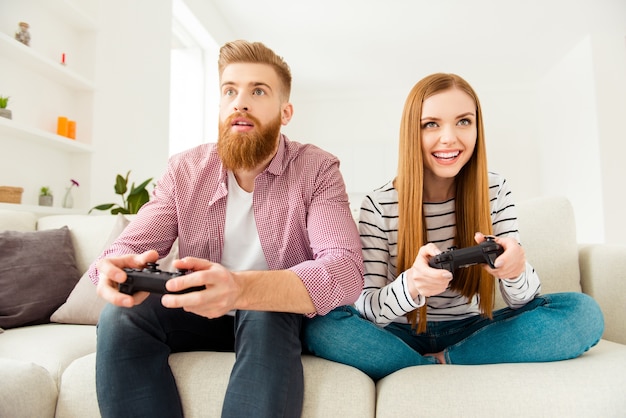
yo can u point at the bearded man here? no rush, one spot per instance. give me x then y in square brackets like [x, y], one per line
[264, 229]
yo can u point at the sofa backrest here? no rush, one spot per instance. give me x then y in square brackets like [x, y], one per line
[13, 220]
[90, 233]
[548, 234]
[547, 228]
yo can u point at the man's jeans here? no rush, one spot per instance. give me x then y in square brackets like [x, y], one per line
[133, 377]
[549, 328]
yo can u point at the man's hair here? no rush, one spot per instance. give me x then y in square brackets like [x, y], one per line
[257, 53]
[471, 194]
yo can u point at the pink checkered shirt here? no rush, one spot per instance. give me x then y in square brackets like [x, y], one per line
[300, 206]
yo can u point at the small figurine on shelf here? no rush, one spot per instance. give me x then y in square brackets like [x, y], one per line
[68, 199]
[23, 35]
[4, 112]
[45, 196]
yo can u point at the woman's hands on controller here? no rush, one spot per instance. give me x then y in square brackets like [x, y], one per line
[423, 279]
[428, 281]
[511, 263]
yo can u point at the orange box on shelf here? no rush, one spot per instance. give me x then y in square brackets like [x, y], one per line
[71, 129]
[62, 126]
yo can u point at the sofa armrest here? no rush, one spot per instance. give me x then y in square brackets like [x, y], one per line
[603, 277]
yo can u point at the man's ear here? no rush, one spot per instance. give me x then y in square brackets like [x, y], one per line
[286, 113]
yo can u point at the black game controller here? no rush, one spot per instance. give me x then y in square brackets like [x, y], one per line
[151, 279]
[485, 252]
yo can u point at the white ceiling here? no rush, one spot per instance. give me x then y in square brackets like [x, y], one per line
[361, 45]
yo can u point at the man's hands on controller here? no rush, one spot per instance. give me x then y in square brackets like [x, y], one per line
[221, 294]
[111, 274]
[219, 298]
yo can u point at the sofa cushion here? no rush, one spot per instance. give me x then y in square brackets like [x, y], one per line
[37, 272]
[26, 390]
[589, 386]
[52, 346]
[603, 277]
[330, 389]
[548, 234]
[83, 305]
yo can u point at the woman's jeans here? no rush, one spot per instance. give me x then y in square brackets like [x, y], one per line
[134, 379]
[548, 328]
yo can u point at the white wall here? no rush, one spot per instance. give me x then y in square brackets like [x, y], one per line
[570, 160]
[609, 66]
[361, 130]
[132, 101]
[580, 108]
[558, 137]
[561, 136]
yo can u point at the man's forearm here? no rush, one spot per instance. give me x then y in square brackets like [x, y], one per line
[273, 290]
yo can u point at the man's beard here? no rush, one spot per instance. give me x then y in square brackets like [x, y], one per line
[246, 150]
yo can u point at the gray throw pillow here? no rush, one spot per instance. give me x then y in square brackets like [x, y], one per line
[37, 273]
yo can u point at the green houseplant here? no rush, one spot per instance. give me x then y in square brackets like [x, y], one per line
[131, 203]
[4, 112]
[45, 196]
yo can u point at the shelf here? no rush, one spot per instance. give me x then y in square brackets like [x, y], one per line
[21, 54]
[33, 153]
[10, 128]
[42, 210]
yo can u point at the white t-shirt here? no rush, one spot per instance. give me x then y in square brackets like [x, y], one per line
[242, 246]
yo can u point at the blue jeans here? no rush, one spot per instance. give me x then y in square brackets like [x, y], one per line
[548, 328]
[134, 379]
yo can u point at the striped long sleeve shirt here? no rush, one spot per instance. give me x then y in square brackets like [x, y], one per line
[385, 297]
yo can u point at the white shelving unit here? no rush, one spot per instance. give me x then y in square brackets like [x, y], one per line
[42, 210]
[12, 129]
[34, 155]
[24, 56]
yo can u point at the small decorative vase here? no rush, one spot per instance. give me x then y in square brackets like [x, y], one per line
[68, 199]
[46, 200]
[6, 113]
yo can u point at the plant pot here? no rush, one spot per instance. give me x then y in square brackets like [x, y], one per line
[45, 200]
[6, 113]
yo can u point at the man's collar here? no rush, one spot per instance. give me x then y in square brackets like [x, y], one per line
[277, 165]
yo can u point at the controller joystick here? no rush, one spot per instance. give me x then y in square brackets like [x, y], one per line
[484, 253]
[151, 279]
[152, 267]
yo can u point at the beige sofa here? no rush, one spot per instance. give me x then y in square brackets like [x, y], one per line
[48, 370]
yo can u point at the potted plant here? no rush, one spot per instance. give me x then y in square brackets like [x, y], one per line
[137, 197]
[4, 112]
[45, 196]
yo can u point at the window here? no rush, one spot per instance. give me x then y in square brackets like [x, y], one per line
[194, 89]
